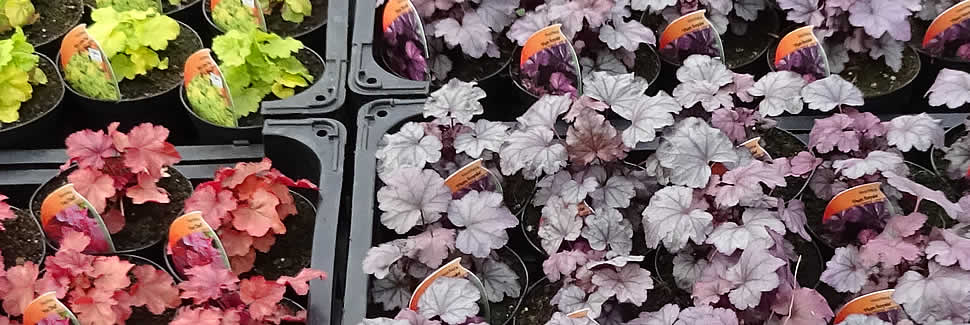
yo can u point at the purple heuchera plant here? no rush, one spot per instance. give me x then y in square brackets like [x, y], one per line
[551, 71]
[878, 28]
[404, 48]
[604, 33]
[807, 61]
[952, 42]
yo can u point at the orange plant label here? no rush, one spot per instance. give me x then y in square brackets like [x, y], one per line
[466, 176]
[757, 151]
[853, 197]
[47, 307]
[187, 225]
[689, 27]
[871, 304]
[950, 17]
[452, 269]
[543, 39]
[201, 63]
[394, 9]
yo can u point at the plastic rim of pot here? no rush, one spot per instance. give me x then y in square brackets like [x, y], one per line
[525, 272]
[960, 130]
[40, 124]
[50, 244]
[155, 108]
[178, 278]
[311, 37]
[43, 237]
[211, 132]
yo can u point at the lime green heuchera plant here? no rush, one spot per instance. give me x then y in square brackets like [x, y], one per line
[232, 15]
[16, 13]
[254, 64]
[123, 5]
[18, 74]
[292, 10]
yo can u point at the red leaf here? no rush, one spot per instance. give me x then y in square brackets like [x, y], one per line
[286, 207]
[236, 175]
[5, 213]
[207, 282]
[147, 151]
[17, 287]
[236, 243]
[69, 262]
[244, 263]
[89, 148]
[214, 203]
[592, 137]
[111, 273]
[94, 306]
[6, 321]
[154, 289]
[300, 282]
[259, 216]
[200, 316]
[93, 185]
[262, 296]
[147, 190]
[263, 244]
[278, 177]
[113, 220]
[75, 241]
[120, 139]
[49, 283]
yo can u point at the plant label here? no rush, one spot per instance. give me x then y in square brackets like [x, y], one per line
[688, 35]
[67, 210]
[254, 10]
[201, 65]
[879, 303]
[949, 34]
[757, 151]
[192, 242]
[582, 313]
[452, 269]
[47, 309]
[854, 197]
[548, 64]
[406, 46]
[801, 52]
[78, 41]
[473, 176]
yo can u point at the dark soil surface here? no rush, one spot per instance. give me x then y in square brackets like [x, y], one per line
[276, 24]
[647, 64]
[740, 50]
[57, 17]
[44, 98]
[22, 240]
[875, 78]
[145, 224]
[467, 68]
[168, 8]
[536, 308]
[292, 251]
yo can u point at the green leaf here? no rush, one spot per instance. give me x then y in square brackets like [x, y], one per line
[233, 15]
[19, 12]
[14, 90]
[131, 38]
[280, 47]
[295, 10]
[123, 5]
[232, 48]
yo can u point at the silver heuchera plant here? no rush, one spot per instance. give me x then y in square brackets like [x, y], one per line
[440, 225]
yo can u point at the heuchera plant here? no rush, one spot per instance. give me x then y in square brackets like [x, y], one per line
[440, 225]
[100, 290]
[219, 297]
[246, 205]
[878, 28]
[605, 33]
[115, 165]
[723, 14]
[16, 13]
[951, 88]
[257, 63]
[132, 51]
[951, 42]
[19, 72]
[553, 71]
[123, 5]
[293, 11]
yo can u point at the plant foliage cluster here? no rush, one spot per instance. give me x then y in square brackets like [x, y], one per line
[18, 75]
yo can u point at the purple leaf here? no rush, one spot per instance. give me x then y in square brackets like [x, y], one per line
[452, 299]
[734, 122]
[906, 185]
[804, 162]
[626, 34]
[457, 100]
[712, 285]
[830, 92]
[667, 315]
[619, 261]
[845, 272]
[691, 148]
[876, 161]
[591, 138]
[688, 270]
[671, 217]
[499, 280]
[891, 247]
[497, 14]
[890, 50]
[944, 294]
[794, 217]
[803, 11]
[952, 249]
[524, 27]
[754, 274]
[584, 105]
[629, 283]
[559, 222]
[616, 193]
[534, 151]
[409, 147]
[708, 94]
[752, 234]
[485, 218]
[471, 34]
[393, 291]
[562, 264]
[707, 315]
[563, 186]
[484, 135]
[652, 5]
[808, 307]
[573, 12]
[745, 181]
[608, 227]
[571, 297]
[411, 197]
[704, 68]
[781, 91]
[882, 16]
[829, 133]
[414, 318]
[951, 88]
[432, 246]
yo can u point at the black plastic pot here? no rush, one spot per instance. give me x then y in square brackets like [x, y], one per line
[367, 77]
[41, 241]
[47, 39]
[251, 128]
[37, 131]
[312, 35]
[171, 268]
[898, 100]
[159, 108]
[175, 176]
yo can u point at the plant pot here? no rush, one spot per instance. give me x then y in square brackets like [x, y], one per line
[57, 17]
[536, 309]
[884, 91]
[23, 240]
[288, 256]
[149, 98]
[141, 315]
[782, 143]
[39, 115]
[145, 224]
[310, 31]
[250, 127]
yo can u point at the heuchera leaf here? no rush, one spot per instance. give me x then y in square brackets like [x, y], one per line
[915, 131]
[943, 294]
[794, 217]
[881, 16]
[207, 282]
[499, 280]
[534, 151]
[707, 315]
[621, 92]
[197, 316]
[688, 270]
[804, 162]
[394, 291]
[751, 234]
[457, 100]
[93, 185]
[409, 147]
[951, 88]
[647, 116]
[563, 263]
[89, 148]
[559, 222]
[691, 148]
[17, 286]
[808, 307]
[830, 92]
[754, 274]
[153, 289]
[781, 91]
[829, 133]
[890, 247]
[432, 246]
[262, 296]
[845, 272]
[616, 193]
[545, 111]
[147, 151]
[214, 202]
[94, 307]
[452, 299]
[802, 11]
[484, 135]
[626, 34]
[414, 318]
[608, 227]
[411, 197]
[146, 191]
[876, 161]
[745, 181]
[950, 249]
[572, 297]
[629, 283]
[558, 318]
[300, 283]
[667, 315]
[671, 217]
[380, 259]
[923, 193]
[485, 218]
[734, 122]
[591, 137]
[471, 34]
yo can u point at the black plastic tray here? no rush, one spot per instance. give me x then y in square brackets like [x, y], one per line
[327, 94]
[300, 148]
[366, 77]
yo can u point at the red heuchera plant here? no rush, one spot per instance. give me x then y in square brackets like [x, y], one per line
[114, 165]
[218, 295]
[247, 205]
[5, 211]
[99, 289]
